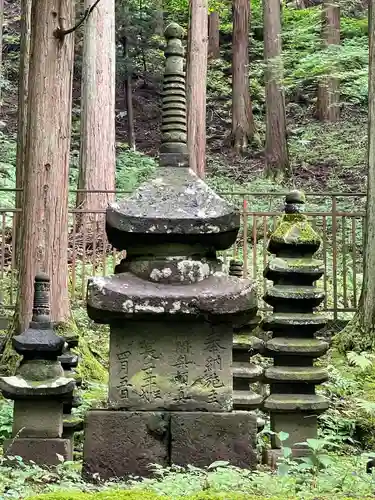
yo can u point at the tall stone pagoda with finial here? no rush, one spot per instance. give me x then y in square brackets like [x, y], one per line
[171, 308]
[39, 388]
[293, 403]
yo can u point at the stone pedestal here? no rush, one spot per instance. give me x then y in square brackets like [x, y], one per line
[172, 308]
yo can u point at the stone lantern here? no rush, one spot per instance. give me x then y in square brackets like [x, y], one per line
[39, 388]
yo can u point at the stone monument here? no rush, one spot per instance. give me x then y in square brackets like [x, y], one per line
[38, 388]
[293, 403]
[171, 309]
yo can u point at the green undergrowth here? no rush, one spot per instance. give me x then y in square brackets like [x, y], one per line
[345, 477]
[141, 495]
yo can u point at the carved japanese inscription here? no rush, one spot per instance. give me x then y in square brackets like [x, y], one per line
[174, 366]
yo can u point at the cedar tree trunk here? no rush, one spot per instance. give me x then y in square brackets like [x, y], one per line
[196, 85]
[359, 334]
[242, 115]
[97, 153]
[44, 239]
[23, 89]
[328, 102]
[276, 149]
[213, 36]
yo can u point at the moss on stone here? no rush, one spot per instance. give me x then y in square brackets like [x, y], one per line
[294, 229]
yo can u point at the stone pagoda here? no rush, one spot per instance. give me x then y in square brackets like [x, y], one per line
[39, 387]
[171, 308]
[293, 403]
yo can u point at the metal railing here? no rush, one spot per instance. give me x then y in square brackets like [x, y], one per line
[337, 217]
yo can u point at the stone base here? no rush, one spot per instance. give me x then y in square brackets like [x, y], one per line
[299, 426]
[202, 438]
[40, 451]
[122, 443]
[271, 456]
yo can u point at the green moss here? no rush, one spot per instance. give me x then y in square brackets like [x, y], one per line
[294, 229]
[89, 368]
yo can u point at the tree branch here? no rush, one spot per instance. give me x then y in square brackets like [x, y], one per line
[60, 33]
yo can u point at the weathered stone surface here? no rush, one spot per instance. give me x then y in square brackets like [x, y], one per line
[202, 438]
[121, 443]
[40, 451]
[125, 295]
[296, 402]
[299, 426]
[297, 347]
[42, 418]
[172, 366]
[309, 374]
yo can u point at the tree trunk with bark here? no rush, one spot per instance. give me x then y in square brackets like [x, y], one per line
[23, 90]
[196, 85]
[359, 334]
[276, 148]
[213, 35]
[97, 152]
[328, 102]
[44, 240]
[1, 44]
[243, 128]
[128, 94]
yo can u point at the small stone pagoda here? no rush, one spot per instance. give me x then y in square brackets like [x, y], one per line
[293, 403]
[39, 388]
[171, 308]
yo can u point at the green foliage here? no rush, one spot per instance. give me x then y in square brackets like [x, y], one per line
[6, 419]
[132, 168]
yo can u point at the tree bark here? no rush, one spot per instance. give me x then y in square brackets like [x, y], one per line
[359, 334]
[196, 85]
[1, 44]
[276, 149]
[242, 115]
[129, 95]
[328, 102]
[98, 141]
[159, 18]
[44, 240]
[213, 36]
[23, 90]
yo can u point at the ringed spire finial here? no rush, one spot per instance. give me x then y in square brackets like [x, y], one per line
[174, 129]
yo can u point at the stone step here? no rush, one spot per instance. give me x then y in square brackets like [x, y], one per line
[246, 400]
[296, 374]
[246, 370]
[296, 402]
[292, 346]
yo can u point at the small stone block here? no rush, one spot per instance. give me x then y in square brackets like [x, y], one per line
[299, 426]
[202, 438]
[40, 451]
[122, 443]
[38, 419]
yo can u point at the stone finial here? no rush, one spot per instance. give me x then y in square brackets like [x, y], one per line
[294, 296]
[41, 310]
[39, 387]
[236, 268]
[174, 130]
